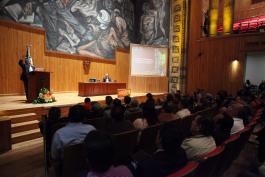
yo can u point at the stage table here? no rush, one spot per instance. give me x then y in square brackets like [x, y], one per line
[99, 88]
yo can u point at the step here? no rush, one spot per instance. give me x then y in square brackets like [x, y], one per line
[24, 118]
[28, 143]
[25, 136]
[25, 126]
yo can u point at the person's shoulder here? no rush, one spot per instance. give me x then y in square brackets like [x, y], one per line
[122, 171]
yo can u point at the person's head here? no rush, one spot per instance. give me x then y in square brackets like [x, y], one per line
[168, 107]
[170, 137]
[54, 113]
[116, 102]
[149, 96]
[99, 151]
[184, 103]
[117, 112]
[108, 100]
[134, 103]
[96, 107]
[170, 97]
[127, 99]
[87, 100]
[76, 113]
[201, 125]
[224, 122]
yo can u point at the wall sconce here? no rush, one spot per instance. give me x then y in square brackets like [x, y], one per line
[86, 66]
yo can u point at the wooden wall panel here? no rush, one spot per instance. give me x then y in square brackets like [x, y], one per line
[210, 60]
[148, 84]
[246, 9]
[66, 72]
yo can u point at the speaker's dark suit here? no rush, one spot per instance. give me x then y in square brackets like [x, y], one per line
[24, 74]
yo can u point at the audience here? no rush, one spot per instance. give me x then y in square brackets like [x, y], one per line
[169, 158]
[174, 152]
[100, 153]
[201, 141]
[73, 133]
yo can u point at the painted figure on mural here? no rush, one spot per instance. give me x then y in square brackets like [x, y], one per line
[153, 16]
[72, 24]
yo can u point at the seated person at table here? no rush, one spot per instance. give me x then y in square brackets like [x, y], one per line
[99, 152]
[106, 78]
[201, 141]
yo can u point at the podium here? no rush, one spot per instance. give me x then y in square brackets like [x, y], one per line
[36, 81]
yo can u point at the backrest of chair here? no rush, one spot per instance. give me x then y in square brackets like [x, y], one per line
[134, 115]
[98, 123]
[209, 162]
[186, 124]
[228, 155]
[148, 138]
[74, 160]
[125, 144]
[187, 171]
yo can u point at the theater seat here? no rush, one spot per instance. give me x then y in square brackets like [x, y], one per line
[187, 171]
[209, 161]
[125, 145]
[148, 139]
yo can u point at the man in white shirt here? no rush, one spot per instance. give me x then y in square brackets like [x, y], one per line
[73, 133]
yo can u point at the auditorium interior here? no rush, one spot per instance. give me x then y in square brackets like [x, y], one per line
[132, 88]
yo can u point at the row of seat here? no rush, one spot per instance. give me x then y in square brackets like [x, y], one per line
[216, 162]
[126, 143]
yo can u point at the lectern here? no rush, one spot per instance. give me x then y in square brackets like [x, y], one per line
[36, 81]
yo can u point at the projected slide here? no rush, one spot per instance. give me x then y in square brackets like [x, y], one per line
[148, 60]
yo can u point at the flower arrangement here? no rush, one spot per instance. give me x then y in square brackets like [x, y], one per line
[45, 96]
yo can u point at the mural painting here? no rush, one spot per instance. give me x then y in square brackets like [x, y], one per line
[154, 22]
[87, 27]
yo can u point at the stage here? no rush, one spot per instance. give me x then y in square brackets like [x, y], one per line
[8, 103]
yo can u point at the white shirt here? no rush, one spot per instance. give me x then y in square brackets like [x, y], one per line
[238, 125]
[198, 145]
[72, 133]
[183, 113]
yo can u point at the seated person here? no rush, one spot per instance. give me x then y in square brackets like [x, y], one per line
[118, 123]
[106, 78]
[167, 115]
[99, 153]
[87, 104]
[107, 108]
[150, 113]
[73, 133]
[223, 124]
[233, 111]
[183, 108]
[201, 141]
[133, 111]
[170, 158]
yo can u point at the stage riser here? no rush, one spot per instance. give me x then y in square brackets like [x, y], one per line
[26, 137]
[24, 128]
[25, 119]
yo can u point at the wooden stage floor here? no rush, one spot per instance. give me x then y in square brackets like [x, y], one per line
[62, 99]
